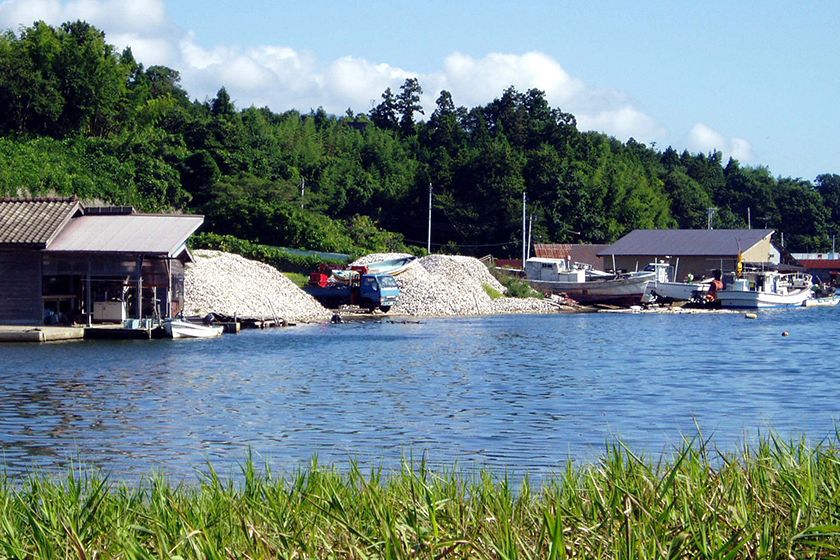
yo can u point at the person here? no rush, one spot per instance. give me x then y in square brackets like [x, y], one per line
[715, 286]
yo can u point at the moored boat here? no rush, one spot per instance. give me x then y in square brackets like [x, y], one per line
[179, 328]
[758, 289]
[584, 284]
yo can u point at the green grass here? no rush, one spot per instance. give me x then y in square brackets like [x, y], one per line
[776, 499]
[491, 291]
[299, 279]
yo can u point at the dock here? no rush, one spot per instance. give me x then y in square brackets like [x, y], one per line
[12, 333]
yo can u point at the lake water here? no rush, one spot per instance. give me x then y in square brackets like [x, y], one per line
[512, 393]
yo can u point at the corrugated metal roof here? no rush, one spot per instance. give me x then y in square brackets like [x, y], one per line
[151, 234]
[686, 242]
[33, 222]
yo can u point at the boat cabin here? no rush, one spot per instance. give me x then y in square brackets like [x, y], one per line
[554, 270]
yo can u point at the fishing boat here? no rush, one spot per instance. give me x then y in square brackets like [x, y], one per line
[179, 328]
[827, 301]
[665, 288]
[759, 289]
[585, 284]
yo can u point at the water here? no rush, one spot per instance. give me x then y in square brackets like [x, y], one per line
[512, 393]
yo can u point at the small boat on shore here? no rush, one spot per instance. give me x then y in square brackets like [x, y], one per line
[760, 289]
[179, 328]
[393, 267]
[664, 287]
[584, 284]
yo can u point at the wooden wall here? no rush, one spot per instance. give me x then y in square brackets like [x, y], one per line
[20, 288]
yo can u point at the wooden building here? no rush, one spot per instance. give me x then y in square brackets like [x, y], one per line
[62, 262]
[698, 251]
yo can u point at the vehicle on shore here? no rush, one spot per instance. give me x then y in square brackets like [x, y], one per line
[585, 284]
[761, 289]
[354, 285]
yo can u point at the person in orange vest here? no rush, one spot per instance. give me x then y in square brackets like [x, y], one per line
[717, 284]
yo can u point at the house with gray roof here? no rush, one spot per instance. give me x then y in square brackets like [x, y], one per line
[692, 251]
[61, 261]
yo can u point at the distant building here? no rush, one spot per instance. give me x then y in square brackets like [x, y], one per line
[692, 251]
[823, 266]
[587, 254]
[63, 262]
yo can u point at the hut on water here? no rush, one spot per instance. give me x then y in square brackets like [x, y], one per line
[63, 262]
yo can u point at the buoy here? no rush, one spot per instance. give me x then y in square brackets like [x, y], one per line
[785, 333]
[750, 315]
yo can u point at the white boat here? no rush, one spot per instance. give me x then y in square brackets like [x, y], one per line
[178, 328]
[827, 301]
[584, 284]
[759, 289]
[665, 289]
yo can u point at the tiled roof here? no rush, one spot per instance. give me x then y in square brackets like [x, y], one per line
[686, 242]
[33, 222]
[576, 252]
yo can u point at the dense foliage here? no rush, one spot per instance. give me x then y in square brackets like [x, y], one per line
[80, 118]
[776, 500]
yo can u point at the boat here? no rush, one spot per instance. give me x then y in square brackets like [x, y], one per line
[393, 267]
[665, 288]
[827, 301]
[585, 284]
[759, 289]
[179, 328]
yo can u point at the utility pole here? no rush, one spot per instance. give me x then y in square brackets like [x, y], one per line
[749, 222]
[710, 211]
[302, 189]
[524, 240]
[429, 236]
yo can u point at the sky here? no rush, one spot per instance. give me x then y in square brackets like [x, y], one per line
[757, 80]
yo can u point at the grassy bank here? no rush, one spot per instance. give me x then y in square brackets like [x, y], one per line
[774, 500]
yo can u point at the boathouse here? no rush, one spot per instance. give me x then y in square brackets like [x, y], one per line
[64, 262]
[692, 251]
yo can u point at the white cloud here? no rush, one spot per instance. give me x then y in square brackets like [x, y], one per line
[282, 77]
[702, 138]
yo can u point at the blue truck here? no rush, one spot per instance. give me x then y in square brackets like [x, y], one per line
[353, 285]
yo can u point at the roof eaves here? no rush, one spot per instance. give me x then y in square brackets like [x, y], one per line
[68, 216]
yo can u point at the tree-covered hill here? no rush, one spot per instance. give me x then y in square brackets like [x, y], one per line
[80, 118]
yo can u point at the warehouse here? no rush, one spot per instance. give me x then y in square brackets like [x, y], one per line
[692, 251]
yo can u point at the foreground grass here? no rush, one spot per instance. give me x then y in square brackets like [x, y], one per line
[775, 500]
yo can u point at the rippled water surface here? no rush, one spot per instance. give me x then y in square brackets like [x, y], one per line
[515, 393]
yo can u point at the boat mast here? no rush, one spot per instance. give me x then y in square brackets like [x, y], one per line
[524, 240]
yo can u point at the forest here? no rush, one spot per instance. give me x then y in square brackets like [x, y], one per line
[80, 118]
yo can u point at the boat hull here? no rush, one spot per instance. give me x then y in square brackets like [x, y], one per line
[619, 291]
[734, 299]
[678, 291]
[185, 329]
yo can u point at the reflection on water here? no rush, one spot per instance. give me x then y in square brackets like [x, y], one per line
[516, 393]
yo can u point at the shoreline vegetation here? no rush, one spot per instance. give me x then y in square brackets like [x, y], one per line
[773, 498]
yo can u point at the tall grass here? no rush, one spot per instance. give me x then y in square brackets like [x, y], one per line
[776, 499]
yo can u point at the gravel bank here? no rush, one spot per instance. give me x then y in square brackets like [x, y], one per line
[232, 285]
[443, 285]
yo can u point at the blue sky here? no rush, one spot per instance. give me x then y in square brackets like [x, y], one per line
[759, 81]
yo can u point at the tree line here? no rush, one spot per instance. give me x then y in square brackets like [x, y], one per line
[81, 118]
